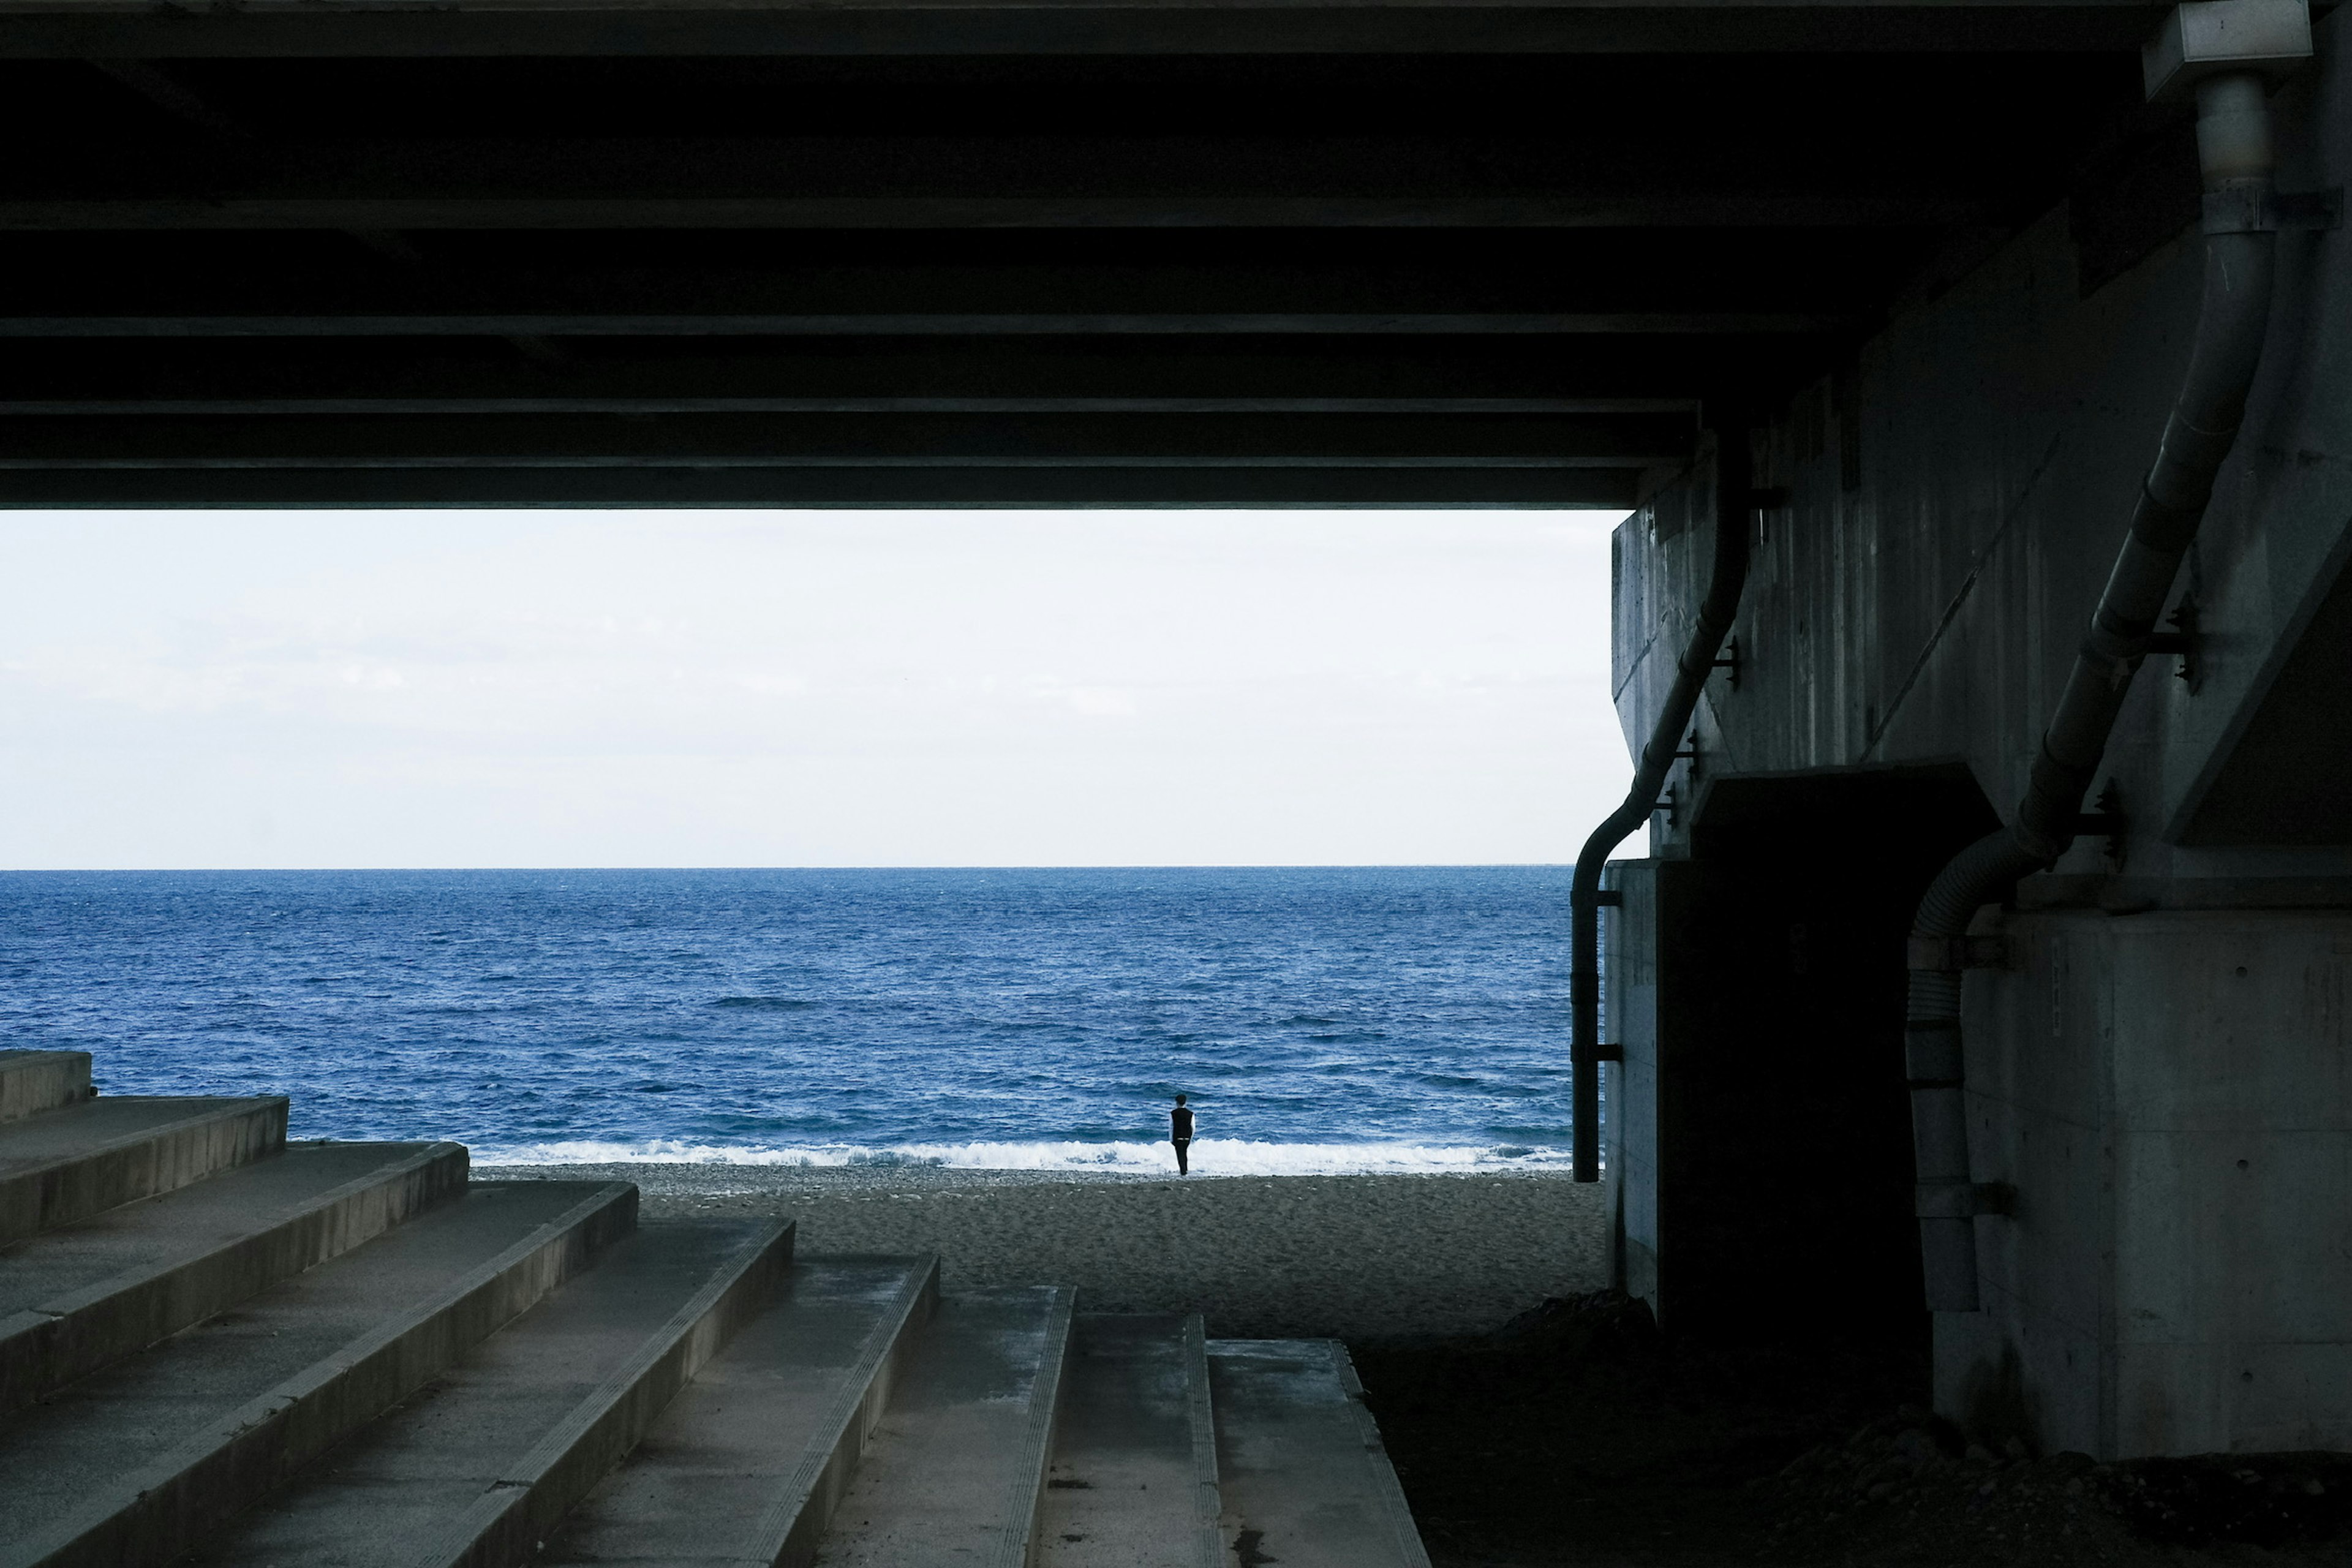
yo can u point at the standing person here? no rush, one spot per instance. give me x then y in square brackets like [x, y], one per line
[1179, 1132]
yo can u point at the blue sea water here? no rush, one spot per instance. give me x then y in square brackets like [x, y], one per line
[1320, 1019]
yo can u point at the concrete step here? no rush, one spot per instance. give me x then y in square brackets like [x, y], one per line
[957, 1470]
[1134, 1478]
[750, 1461]
[67, 1164]
[77, 1299]
[1305, 1479]
[478, 1466]
[34, 1081]
[132, 1464]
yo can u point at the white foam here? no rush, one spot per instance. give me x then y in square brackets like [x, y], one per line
[1211, 1156]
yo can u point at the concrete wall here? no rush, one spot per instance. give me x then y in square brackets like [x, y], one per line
[1996, 436]
[1957, 498]
[2171, 1094]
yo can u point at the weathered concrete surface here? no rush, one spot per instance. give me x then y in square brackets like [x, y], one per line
[2171, 1094]
[1956, 499]
[71, 1164]
[133, 1463]
[476, 1466]
[958, 1467]
[34, 1081]
[72, 1300]
[1630, 1157]
[1305, 1478]
[1134, 1478]
[747, 1463]
[345, 1354]
[1956, 502]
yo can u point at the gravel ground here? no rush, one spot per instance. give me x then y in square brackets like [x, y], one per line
[1367, 1257]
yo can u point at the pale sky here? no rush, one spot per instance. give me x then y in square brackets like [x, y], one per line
[802, 689]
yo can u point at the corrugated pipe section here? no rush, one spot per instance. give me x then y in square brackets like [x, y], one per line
[2233, 142]
[1734, 499]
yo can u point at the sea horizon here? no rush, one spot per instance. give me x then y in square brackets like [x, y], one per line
[1323, 1019]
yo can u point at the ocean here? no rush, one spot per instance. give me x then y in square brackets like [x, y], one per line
[1320, 1020]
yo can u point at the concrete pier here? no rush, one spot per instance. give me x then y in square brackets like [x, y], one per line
[2170, 1094]
[2159, 1119]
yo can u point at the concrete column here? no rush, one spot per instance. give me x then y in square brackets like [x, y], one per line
[2170, 1093]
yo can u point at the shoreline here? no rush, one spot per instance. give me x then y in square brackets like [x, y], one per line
[1366, 1258]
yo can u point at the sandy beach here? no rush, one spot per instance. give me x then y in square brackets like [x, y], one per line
[1360, 1258]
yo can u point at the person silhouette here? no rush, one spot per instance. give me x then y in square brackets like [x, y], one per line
[1179, 1132]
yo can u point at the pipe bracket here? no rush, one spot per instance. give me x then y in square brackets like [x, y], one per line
[1585, 1056]
[1730, 659]
[2247, 209]
[1949, 953]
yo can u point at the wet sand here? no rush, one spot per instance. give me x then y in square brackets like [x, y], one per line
[1364, 1258]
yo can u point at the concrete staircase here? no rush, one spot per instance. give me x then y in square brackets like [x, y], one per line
[216, 1348]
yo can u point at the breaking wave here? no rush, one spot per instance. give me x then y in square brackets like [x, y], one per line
[1211, 1156]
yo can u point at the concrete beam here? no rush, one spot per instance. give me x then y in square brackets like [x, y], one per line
[922, 324]
[1598, 372]
[1611, 209]
[569, 439]
[289, 29]
[996, 408]
[843, 488]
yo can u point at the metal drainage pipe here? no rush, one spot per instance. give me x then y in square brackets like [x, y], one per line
[1734, 499]
[2234, 149]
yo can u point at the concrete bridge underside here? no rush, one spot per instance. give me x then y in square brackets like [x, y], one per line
[990, 254]
[1418, 254]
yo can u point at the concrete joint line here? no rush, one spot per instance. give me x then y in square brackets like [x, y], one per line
[1952, 610]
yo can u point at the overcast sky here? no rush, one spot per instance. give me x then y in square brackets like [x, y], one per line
[802, 689]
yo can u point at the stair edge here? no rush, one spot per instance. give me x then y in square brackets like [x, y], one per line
[1411, 1549]
[1026, 1494]
[160, 1509]
[140, 1164]
[1208, 1496]
[787, 1533]
[527, 1502]
[42, 1070]
[46, 1346]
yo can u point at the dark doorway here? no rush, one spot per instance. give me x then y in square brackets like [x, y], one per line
[1783, 1139]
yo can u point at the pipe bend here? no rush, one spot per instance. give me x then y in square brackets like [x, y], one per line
[1728, 579]
[2234, 148]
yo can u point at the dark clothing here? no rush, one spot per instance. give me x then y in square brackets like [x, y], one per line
[1179, 1132]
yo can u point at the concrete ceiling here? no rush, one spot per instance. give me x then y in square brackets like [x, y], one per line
[298, 253]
